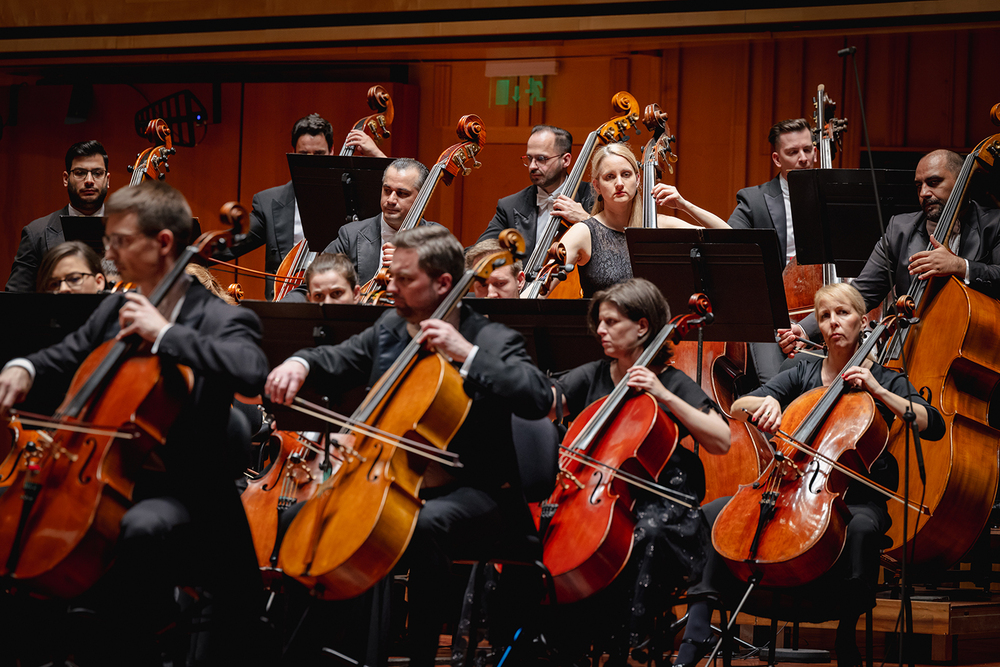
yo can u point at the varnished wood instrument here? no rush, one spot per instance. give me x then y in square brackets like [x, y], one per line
[152, 162]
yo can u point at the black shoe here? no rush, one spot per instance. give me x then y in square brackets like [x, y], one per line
[701, 648]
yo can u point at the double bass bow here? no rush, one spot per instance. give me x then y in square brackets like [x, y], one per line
[376, 125]
[539, 269]
[357, 525]
[460, 158]
[619, 441]
[72, 478]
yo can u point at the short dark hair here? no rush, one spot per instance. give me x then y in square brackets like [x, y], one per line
[786, 126]
[337, 262]
[438, 251]
[406, 163]
[635, 299]
[157, 206]
[61, 252]
[85, 149]
[564, 140]
[488, 247]
[313, 124]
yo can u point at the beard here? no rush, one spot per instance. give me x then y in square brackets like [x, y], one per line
[79, 203]
[933, 207]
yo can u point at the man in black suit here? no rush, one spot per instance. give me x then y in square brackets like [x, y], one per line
[466, 509]
[973, 255]
[548, 160]
[86, 180]
[186, 525]
[274, 219]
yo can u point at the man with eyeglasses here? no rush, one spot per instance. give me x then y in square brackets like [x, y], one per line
[548, 160]
[86, 180]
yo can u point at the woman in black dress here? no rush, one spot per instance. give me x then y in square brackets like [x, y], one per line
[840, 313]
[670, 541]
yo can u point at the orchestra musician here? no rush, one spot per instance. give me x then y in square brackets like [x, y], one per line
[71, 267]
[466, 510]
[669, 538]
[504, 283]
[973, 254]
[332, 279]
[86, 180]
[548, 159]
[186, 524]
[841, 314]
[274, 219]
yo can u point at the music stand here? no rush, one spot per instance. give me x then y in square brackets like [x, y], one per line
[739, 270]
[331, 190]
[290, 327]
[834, 214]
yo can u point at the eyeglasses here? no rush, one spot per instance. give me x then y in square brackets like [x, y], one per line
[115, 241]
[72, 280]
[540, 160]
[80, 173]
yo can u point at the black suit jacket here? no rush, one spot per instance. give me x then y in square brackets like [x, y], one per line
[502, 380]
[520, 211]
[762, 207]
[219, 343]
[272, 224]
[37, 238]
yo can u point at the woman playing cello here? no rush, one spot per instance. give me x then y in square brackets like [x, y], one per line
[840, 313]
[670, 541]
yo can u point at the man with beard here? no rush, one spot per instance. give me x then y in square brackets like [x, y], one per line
[548, 159]
[973, 252]
[86, 180]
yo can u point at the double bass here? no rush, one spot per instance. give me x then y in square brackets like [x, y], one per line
[460, 158]
[617, 442]
[153, 161]
[950, 356]
[376, 125]
[545, 263]
[357, 525]
[72, 479]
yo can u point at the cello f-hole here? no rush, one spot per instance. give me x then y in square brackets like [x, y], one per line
[925, 393]
[92, 445]
[372, 475]
[595, 495]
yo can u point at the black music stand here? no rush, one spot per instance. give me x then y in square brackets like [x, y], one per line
[290, 327]
[834, 214]
[739, 270]
[331, 190]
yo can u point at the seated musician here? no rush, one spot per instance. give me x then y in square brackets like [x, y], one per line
[504, 283]
[209, 282]
[465, 509]
[668, 537]
[973, 254]
[71, 267]
[332, 279]
[186, 525]
[615, 174]
[841, 314]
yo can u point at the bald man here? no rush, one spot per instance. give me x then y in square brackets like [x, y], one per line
[973, 254]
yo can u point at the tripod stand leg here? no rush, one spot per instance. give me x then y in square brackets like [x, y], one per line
[732, 619]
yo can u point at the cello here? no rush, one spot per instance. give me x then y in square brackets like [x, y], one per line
[357, 525]
[545, 263]
[457, 159]
[950, 355]
[618, 441]
[376, 125]
[152, 162]
[73, 479]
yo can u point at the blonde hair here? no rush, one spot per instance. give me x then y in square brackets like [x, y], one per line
[209, 282]
[622, 151]
[840, 291]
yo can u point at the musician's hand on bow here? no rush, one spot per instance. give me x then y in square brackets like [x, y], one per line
[363, 144]
[139, 316]
[443, 337]
[643, 379]
[15, 382]
[767, 417]
[284, 382]
[788, 340]
[569, 210]
[937, 262]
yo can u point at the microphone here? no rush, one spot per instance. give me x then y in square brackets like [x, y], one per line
[849, 51]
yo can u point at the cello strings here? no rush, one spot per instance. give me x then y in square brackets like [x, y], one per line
[403, 443]
[652, 487]
[806, 449]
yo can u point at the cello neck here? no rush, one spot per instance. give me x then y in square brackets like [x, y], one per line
[648, 180]
[423, 198]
